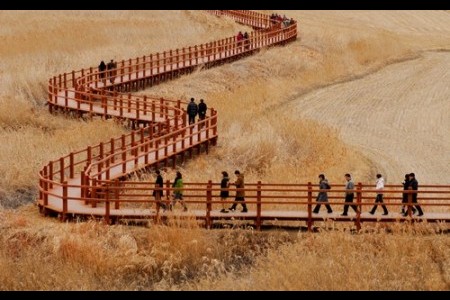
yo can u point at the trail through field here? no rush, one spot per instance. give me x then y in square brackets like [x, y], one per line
[399, 116]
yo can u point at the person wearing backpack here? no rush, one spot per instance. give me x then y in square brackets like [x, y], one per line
[323, 195]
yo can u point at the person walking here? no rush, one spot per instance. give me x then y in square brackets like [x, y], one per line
[192, 110]
[239, 39]
[202, 108]
[102, 69]
[349, 195]
[414, 185]
[240, 193]
[109, 67]
[178, 191]
[246, 41]
[379, 187]
[405, 184]
[224, 190]
[323, 196]
[158, 192]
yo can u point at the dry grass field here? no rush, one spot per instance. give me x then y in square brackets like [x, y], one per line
[360, 92]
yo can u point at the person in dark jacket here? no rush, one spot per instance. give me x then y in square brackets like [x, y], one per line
[414, 185]
[192, 110]
[112, 70]
[224, 192]
[322, 196]
[102, 69]
[202, 108]
[246, 41]
[405, 184]
[157, 193]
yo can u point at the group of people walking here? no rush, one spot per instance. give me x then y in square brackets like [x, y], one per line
[410, 183]
[109, 69]
[243, 39]
[276, 18]
[194, 109]
[177, 187]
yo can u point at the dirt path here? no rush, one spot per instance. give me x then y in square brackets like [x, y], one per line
[399, 117]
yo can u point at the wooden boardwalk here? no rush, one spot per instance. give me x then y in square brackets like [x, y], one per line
[90, 182]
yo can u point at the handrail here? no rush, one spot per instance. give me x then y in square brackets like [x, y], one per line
[166, 133]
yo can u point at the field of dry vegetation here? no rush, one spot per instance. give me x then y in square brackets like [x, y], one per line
[359, 92]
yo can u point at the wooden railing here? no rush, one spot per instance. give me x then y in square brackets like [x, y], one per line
[165, 134]
[265, 201]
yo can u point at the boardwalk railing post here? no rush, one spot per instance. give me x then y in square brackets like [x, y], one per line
[86, 194]
[310, 221]
[45, 187]
[208, 205]
[258, 206]
[71, 165]
[116, 194]
[64, 201]
[359, 206]
[61, 169]
[107, 206]
[94, 193]
[168, 204]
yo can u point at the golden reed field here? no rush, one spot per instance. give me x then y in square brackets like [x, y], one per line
[360, 92]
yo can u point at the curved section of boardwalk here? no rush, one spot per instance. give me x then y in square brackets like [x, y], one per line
[89, 182]
[160, 132]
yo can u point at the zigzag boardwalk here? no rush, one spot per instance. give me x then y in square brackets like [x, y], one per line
[89, 182]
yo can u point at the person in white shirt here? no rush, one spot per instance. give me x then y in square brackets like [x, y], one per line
[379, 187]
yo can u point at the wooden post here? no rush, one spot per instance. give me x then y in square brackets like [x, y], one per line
[124, 158]
[107, 168]
[137, 110]
[116, 194]
[71, 171]
[107, 206]
[45, 186]
[50, 174]
[168, 204]
[358, 201]
[153, 111]
[61, 171]
[258, 206]
[85, 186]
[112, 150]
[64, 200]
[208, 221]
[157, 150]
[310, 199]
[142, 139]
[89, 155]
[146, 151]
[94, 193]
